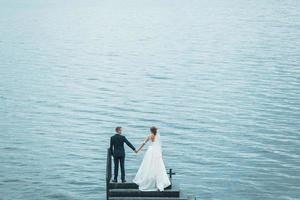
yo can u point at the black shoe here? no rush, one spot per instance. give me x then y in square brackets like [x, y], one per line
[124, 181]
[114, 181]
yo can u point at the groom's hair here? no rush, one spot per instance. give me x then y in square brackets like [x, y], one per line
[118, 128]
[153, 130]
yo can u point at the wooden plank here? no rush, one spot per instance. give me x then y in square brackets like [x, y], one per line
[138, 193]
[146, 198]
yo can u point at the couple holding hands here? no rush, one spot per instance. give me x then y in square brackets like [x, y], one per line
[152, 175]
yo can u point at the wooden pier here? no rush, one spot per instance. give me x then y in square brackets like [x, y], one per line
[130, 191]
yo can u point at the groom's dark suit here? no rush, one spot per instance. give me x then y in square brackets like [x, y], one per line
[117, 150]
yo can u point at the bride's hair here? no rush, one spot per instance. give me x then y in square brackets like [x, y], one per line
[153, 130]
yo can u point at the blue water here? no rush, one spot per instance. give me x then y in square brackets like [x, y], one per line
[221, 80]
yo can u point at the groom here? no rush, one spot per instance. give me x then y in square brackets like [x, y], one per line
[118, 152]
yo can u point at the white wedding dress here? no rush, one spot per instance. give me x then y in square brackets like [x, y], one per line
[152, 175]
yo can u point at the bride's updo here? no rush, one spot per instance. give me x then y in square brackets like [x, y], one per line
[153, 130]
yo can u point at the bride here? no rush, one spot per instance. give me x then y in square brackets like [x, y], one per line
[152, 175]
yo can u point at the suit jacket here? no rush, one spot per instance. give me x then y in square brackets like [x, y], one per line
[117, 145]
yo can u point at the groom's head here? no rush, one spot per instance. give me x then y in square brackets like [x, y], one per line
[118, 129]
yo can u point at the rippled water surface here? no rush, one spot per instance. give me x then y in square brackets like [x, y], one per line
[220, 79]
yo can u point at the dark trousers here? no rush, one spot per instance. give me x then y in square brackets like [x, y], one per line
[120, 160]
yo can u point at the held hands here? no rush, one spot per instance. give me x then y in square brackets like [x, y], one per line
[136, 151]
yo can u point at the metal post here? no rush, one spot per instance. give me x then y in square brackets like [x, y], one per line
[171, 173]
[170, 176]
[108, 172]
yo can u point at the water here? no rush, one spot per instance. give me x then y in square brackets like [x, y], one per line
[220, 79]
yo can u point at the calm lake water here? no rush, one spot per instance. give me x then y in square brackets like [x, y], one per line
[221, 80]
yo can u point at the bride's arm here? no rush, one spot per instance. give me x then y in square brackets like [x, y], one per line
[146, 140]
